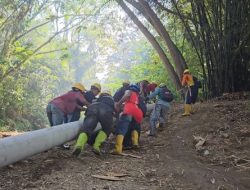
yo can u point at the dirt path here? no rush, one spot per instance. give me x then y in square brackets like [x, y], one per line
[169, 161]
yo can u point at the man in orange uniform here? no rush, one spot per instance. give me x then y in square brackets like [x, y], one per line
[131, 113]
[188, 81]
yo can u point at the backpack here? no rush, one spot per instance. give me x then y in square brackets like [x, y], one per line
[166, 95]
[197, 82]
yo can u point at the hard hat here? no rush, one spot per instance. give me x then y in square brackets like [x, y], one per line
[134, 87]
[79, 86]
[106, 92]
[97, 85]
[126, 82]
[186, 71]
[162, 85]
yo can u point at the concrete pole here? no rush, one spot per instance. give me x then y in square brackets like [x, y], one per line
[15, 148]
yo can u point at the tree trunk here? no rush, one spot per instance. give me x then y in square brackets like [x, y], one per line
[153, 19]
[154, 43]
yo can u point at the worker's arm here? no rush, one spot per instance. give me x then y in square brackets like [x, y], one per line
[81, 101]
[153, 94]
[125, 97]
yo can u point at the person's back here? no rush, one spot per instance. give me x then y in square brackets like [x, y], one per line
[89, 95]
[59, 109]
[99, 111]
[159, 113]
[104, 105]
[69, 101]
[159, 97]
[121, 91]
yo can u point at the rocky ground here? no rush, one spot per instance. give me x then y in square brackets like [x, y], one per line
[208, 150]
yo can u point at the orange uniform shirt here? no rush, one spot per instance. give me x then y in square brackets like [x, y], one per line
[188, 80]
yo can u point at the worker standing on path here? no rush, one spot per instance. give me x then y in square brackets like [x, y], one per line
[130, 112]
[59, 110]
[89, 96]
[161, 108]
[191, 92]
[100, 111]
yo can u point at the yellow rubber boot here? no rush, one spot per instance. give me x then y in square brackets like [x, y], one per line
[135, 138]
[118, 145]
[187, 109]
[81, 141]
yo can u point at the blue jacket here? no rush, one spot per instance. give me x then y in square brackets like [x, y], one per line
[157, 93]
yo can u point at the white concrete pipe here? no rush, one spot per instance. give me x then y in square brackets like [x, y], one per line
[15, 148]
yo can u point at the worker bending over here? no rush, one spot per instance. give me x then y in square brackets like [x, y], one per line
[89, 96]
[130, 112]
[60, 109]
[99, 111]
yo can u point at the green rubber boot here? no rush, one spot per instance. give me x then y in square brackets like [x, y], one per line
[101, 137]
[81, 141]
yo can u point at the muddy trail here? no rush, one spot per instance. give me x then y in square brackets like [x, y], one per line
[208, 150]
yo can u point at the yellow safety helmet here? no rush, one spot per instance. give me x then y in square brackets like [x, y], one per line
[186, 71]
[126, 82]
[79, 86]
[106, 91]
[97, 85]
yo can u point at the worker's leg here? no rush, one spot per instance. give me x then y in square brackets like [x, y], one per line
[57, 115]
[154, 118]
[188, 102]
[49, 114]
[163, 116]
[121, 131]
[75, 116]
[195, 90]
[127, 142]
[136, 129]
[89, 125]
[106, 120]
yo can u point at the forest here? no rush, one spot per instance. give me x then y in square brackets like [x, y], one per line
[46, 45]
[181, 70]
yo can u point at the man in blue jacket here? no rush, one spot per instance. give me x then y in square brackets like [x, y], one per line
[160, 111]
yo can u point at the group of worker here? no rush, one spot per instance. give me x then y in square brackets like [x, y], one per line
[121, 114]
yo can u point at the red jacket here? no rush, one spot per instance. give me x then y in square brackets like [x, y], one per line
[131, 107]
[151, 88]
[69, 102]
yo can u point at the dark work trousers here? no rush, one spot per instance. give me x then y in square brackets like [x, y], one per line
[55, 115]
[124, 125]
[190, 97]
[98, 112]
[127, 142]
